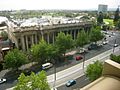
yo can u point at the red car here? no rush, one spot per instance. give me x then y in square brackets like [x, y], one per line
[78, 58]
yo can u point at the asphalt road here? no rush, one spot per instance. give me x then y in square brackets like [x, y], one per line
[88, 55]
[80, 82]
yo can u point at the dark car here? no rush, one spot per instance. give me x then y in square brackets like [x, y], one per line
[94, 46]
[78, 58]
[70, 83]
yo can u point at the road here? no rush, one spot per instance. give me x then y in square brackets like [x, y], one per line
[65, 75]
[81, 82]
[77, 70]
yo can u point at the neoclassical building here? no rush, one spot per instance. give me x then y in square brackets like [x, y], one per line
[25, 37]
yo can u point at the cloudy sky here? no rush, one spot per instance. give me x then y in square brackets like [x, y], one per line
[56, 4]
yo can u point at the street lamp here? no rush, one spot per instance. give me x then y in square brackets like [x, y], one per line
[114, 46]
[54, 74]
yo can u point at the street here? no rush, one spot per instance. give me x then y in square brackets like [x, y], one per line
[82, 81]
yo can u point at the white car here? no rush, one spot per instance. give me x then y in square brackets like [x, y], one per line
[115, 45]
[53, 88]
[83, 50]
[105, 42]
[2, 80]
[47, 65]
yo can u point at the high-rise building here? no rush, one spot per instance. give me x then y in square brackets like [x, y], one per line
[102, 8]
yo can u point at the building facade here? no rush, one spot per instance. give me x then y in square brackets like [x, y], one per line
[25, 37]
[102, 8]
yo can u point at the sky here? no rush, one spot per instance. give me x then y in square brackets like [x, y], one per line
[56, 4]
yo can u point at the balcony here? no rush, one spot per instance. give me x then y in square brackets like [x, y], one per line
[110, 79]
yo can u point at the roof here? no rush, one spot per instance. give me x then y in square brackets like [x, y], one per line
[3, 19]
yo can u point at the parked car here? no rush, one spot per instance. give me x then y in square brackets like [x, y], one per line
[70, 83]
[78, 58]
[83, 50]
[53, 88]
[2, 80]
[47, 65]
[94, 46]
[105, 42]
[115, 45]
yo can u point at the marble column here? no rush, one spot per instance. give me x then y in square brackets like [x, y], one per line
[32, 38]
[26, 38]
[53, 34]
[23, 42]
[74, 34]
[36, 39]
[48, 38]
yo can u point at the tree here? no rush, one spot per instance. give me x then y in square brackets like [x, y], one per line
[15, 59]
[52, 52]
[116, 16]
[64, 42]
[82, 38]
[22, 83]
[100, 18]
[96, 35]
[39, 51]
[94, 70]
[33, 82]
[4, 35]
[118, 24]
[115, 58]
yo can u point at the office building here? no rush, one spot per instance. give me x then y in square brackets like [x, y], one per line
[102, 8]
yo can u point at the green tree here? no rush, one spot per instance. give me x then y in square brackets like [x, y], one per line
[4, 35]
[82, 38]
[15, 58]
[116, 16]
[96, 35]
[64, 42]
[94, 70]
[118, 24]
[52, 52]
[100, 18]
[115, 58]
[22, 83]
[33, 82]
[39, 51]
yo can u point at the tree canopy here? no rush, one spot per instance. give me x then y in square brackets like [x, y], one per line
[15, 58]
[100, 18]
[39, 51]
[44, 52]
[96, 35]
[115, 58]
[116, 16]
[64, 42]
[4, 35]
[82, 38]
[33, 82]
[94, 70]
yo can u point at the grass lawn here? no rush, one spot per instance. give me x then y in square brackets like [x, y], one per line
[110, 21]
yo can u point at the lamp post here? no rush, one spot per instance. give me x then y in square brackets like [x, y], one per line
[54, 75]
[83, 60]
[114, 46]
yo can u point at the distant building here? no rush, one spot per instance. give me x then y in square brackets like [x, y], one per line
[102, 8]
